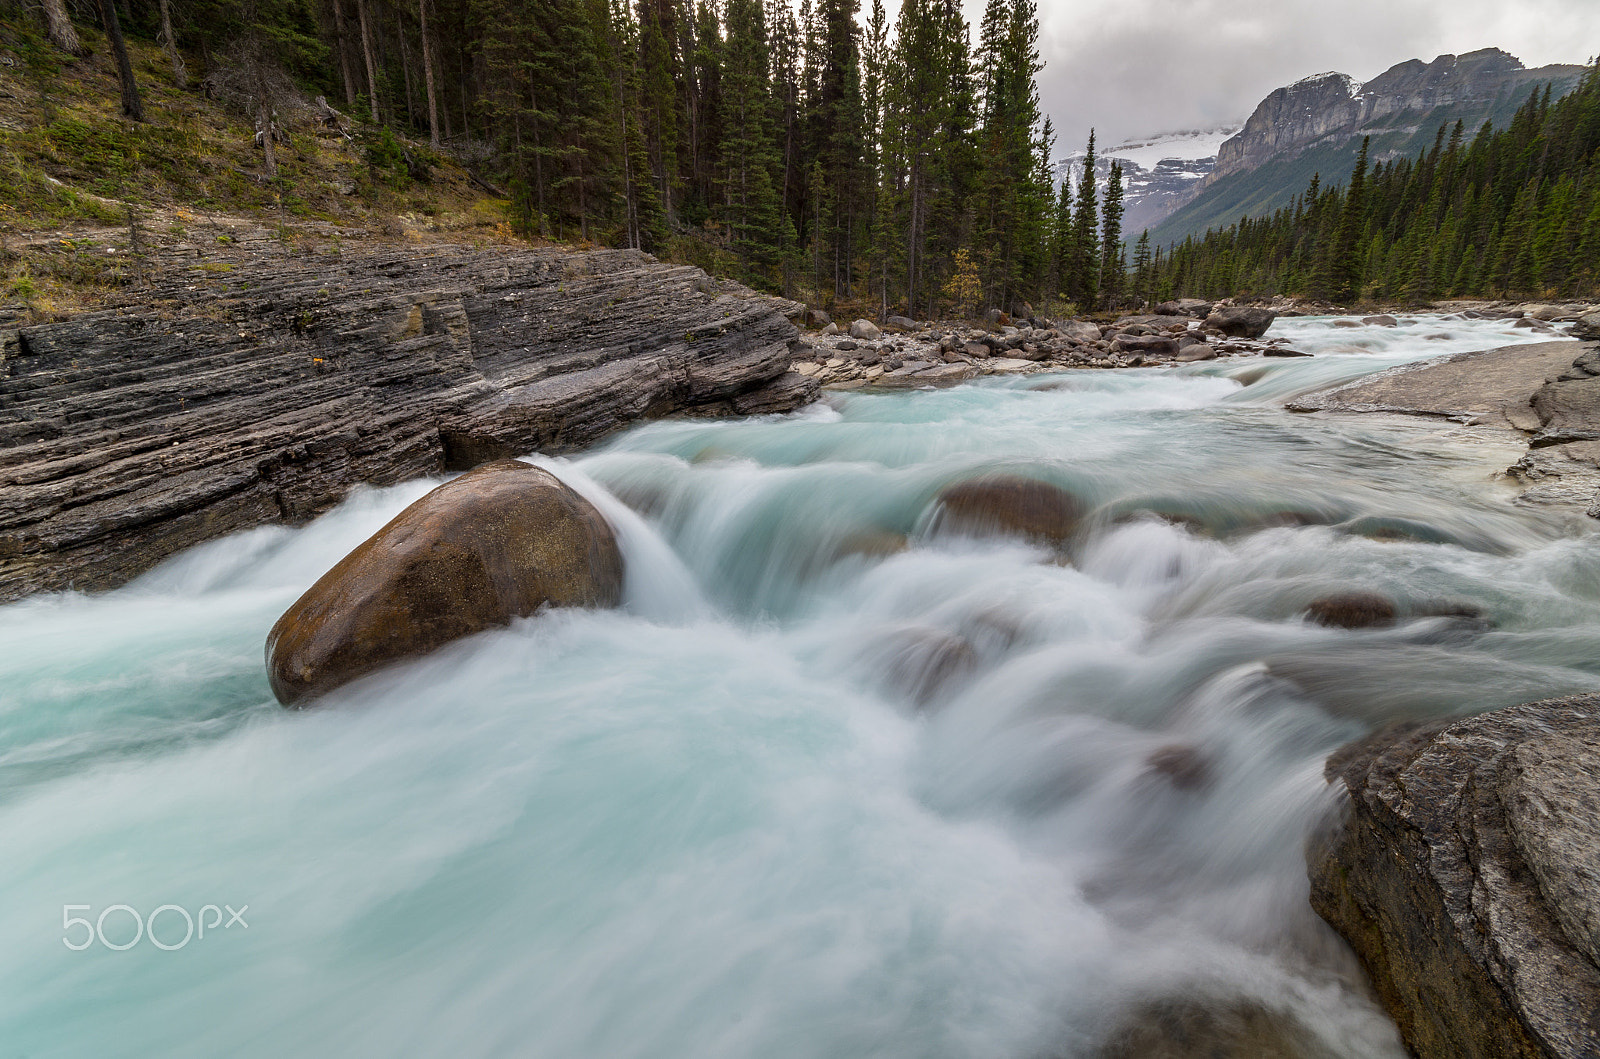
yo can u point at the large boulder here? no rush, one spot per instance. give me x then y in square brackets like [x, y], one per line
[865, 330]
[1587, 328]
[1159, 345]
[1154, 321]
[1195, 307]
[817, 318]
[902, 323]
[1010, 504]
[1464, 874]
[497, 543]
[1242, 321]
[1080, 331]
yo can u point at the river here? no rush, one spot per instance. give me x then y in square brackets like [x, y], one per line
[830, 783]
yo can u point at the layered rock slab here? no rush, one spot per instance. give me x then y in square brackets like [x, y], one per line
[224, 400]
[1463, 874]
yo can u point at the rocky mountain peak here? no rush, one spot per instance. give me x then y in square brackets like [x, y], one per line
[1328, 103]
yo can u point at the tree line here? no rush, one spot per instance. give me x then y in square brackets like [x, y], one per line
[834, 156]
[1513, 212]
[814, 149]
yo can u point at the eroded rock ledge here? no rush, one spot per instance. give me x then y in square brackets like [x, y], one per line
[1549, 391]
[263, 393]
[1466, 875]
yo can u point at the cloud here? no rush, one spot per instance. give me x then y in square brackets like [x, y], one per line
[1138, 67]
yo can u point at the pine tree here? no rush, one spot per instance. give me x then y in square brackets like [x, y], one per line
[1111, 271]
[1084, 263]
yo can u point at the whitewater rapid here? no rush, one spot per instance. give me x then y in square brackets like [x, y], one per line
[829, 783]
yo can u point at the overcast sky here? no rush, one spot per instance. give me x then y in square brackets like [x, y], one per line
[1139, 67]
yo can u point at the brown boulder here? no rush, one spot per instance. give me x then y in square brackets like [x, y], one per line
[494, 544]
[1353, 610]
[1009, 504]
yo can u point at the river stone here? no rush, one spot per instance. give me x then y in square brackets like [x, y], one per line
[1196, 351]
[1381, 320]
[1204, 1028]
[497, 543]
[817, 318]
[921, 662]
[901, 323]
[1460, 870]
[1587, 327]
[1079, 331]
[1195, 307]
[1010, 504]
[1242, 321]
[1353, 610]
[865, 330]
[1156, 344]
[1184, 766]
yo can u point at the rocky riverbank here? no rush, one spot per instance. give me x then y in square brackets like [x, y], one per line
[260, 389]
[1549, 392]
[1464, 874]
[905, 352]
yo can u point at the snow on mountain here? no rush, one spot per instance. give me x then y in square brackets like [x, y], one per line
[1160, 173]
[1188, 146]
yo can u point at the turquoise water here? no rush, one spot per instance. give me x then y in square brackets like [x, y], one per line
[757, 811]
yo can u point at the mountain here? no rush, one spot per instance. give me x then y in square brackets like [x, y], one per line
[1316, 125]
[1162, 173]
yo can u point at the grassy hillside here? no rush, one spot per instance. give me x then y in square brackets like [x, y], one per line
[80, 186]
[1258, 192]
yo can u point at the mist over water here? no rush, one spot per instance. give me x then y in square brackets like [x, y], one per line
[832, 782]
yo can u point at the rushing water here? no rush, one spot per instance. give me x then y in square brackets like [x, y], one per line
[829, 784]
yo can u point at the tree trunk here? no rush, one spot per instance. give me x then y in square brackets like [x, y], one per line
[366, 52]
[180, 75]
[427, 73]
[342, 44]
[269, 160]
[405, 71]
[59, 28]
[131, 106]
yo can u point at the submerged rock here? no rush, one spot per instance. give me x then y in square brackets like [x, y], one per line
[495, 544]
[1464, 874]
[1010, 504]
[1205, 1028]
[1185, 767]
[1353, 610]
[922, 662]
